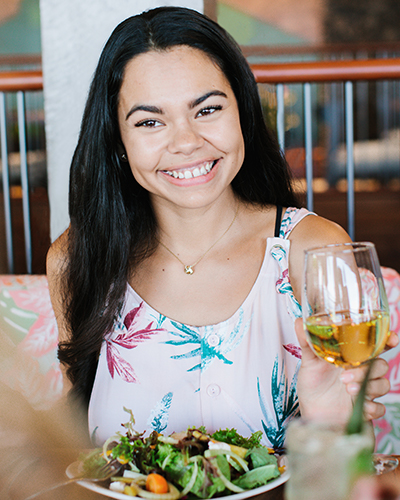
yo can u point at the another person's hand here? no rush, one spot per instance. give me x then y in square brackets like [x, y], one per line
[371, 488]
[327, 391]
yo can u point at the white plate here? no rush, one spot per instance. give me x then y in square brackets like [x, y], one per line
[72, 471]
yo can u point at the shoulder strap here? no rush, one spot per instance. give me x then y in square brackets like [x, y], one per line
[290, 220]
[278, 220]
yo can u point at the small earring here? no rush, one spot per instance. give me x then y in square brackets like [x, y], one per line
[124, 157]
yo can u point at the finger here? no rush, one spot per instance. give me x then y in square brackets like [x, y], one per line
[392, 341]
[353, 375]
[373, 410]
[379, 369]
[375, 388]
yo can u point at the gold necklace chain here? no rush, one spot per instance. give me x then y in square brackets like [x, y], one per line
[190, 269]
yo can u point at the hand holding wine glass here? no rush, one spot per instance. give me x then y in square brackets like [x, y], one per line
[345, 309]
[336, 281]
[346, 323]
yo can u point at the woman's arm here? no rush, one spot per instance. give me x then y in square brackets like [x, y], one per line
[55, 264]
[55, 267]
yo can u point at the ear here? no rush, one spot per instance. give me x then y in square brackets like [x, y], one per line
[121, 152]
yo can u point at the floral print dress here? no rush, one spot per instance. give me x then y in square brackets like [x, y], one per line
[240, 373]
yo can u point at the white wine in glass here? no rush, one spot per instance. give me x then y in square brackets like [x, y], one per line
[345, 309]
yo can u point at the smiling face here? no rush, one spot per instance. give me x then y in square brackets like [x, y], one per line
[180, 126]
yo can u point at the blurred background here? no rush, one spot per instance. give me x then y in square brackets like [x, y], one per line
[269, 31]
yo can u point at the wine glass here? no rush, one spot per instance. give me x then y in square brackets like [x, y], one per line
[345, 308]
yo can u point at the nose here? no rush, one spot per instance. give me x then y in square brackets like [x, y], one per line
[185, 138]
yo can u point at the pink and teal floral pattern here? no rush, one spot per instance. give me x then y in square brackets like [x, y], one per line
[208, 353]
[285, 403]
[128, 338]
[28, 361]
[29, 335]
[387, 428]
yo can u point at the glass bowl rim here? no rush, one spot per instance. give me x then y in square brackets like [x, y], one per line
[350, 247]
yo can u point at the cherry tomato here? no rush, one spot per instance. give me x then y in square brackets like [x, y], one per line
[156, 483]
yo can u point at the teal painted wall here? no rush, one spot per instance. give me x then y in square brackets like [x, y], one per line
[248, 30]
[21, 34]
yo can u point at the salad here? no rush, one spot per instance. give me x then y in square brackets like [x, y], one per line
[192, 464]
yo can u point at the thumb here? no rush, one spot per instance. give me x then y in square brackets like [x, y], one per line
[307, 353]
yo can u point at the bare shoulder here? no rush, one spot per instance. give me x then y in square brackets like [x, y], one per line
[57, 256]
[312, 231]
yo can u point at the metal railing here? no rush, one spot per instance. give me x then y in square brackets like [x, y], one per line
[337, 50]
[304, 73]
[18, 82]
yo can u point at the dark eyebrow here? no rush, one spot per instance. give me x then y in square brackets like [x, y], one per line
[193, 104]
[204, 97]
[150, 109]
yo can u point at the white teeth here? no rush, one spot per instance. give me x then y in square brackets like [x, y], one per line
[189, 174]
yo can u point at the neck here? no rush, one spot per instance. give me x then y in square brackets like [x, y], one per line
[191, 231]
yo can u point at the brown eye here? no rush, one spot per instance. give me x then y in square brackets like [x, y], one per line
[209, 110]
[148, 124]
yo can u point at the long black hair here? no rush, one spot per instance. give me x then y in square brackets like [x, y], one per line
[113, 226]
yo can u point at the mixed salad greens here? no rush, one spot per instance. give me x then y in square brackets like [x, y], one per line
[190, 464]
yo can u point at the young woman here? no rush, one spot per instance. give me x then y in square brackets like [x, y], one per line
[178, 281]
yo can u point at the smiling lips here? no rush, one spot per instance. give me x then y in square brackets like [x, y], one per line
[191, 173]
